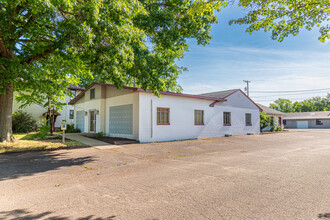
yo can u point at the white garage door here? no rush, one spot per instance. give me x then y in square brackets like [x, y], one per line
[121, 119]
[302, 124]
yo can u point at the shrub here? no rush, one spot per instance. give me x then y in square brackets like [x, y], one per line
[23, 122]
[43, 130]
[99, 134]
[71, 129]
[278, 128]
[264, 121]
[272, 124]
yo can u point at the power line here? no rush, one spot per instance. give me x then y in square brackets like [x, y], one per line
[288, 94]
[292, 91]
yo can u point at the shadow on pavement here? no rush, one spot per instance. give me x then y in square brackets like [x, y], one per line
[24, 214]
[19, 165]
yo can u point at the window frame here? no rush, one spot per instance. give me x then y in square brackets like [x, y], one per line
[225, 119]
[319, 122]
[246, 121]
[202, 116]
[71, 116]
[164, 111]
[90, 93]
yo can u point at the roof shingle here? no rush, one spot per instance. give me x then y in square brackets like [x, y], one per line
[220, 94]
[269, 111]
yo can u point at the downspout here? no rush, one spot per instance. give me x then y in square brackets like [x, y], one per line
[151, 125]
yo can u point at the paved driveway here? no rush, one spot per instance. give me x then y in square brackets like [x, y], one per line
[275, 176]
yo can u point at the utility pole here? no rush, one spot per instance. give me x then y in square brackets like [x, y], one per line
[247, 89]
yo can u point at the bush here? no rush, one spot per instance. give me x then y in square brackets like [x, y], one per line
[71, 129]
[273, 124]
[23, 122]
[264, 121]
[278, 128]
[43, 130]
[99, 134]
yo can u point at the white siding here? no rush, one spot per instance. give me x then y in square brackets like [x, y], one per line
[239, 100]
[87, 104]
[37, 111]
[182, 118]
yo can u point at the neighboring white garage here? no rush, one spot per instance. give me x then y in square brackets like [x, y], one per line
[307, 120]
[302, 124]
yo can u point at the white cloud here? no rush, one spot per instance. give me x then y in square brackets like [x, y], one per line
[268, 69]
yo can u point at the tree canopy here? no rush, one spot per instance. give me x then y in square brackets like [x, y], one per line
[113, 41]
[286, 17]
[309, 105]
[117, 40]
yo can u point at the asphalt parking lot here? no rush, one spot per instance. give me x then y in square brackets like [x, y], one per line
[273, 176]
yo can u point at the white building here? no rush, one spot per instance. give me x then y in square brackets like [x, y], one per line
[137, 114]
[38, 112]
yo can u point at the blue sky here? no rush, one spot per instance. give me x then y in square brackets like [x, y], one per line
[298, 63]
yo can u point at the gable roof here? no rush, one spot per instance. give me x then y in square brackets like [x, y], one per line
[148, 91]
[220, 94]
[307, 115]
[269, 111]
[226, 93]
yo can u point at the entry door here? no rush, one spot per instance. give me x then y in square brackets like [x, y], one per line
[92, 121]
[302, 124]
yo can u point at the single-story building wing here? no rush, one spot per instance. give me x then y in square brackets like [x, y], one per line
[140, 115]
[276, 115]
[307, 120]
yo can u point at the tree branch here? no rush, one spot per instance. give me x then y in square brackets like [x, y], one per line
[3, 49]
[39, 56]
[32, 41]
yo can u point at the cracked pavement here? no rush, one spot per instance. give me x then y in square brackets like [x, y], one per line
[274, 176]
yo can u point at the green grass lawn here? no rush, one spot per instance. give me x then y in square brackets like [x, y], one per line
[27, 142]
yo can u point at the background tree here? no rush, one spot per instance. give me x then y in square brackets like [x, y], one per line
[286, 17]
[309, 105]
[119, 40]
[282, 105]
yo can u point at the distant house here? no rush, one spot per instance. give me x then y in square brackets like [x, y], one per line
[276, 115]
[140, 115]
[307, 120]
[38, 112]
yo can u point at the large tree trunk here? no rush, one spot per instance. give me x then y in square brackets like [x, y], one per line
[6, 107]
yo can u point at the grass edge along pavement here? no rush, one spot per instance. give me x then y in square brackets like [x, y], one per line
[26, 143]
